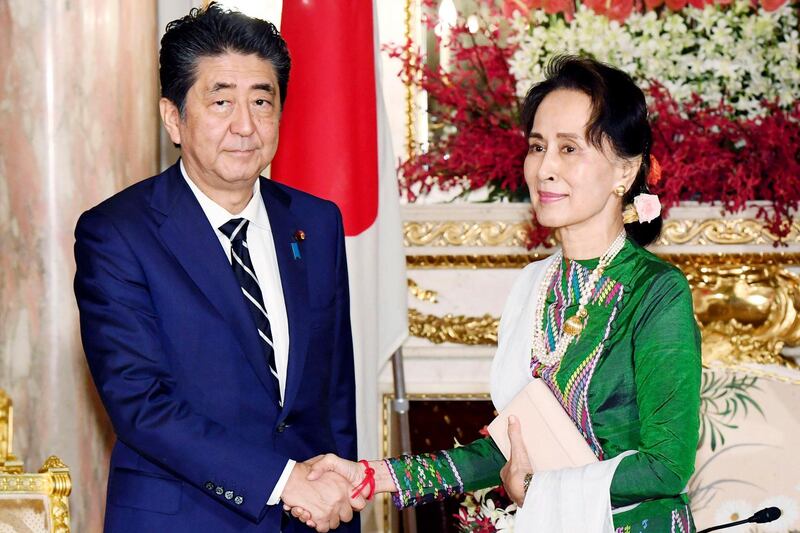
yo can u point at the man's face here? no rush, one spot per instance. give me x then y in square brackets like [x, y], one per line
[229, 131]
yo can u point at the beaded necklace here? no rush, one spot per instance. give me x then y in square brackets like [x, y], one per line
[573, 326]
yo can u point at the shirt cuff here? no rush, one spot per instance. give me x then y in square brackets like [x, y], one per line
[275, 497]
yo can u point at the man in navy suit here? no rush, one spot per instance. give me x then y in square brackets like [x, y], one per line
[214, 307]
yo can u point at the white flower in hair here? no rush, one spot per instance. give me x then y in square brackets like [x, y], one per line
[648, 207]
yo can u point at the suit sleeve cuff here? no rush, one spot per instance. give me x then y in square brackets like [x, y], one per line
[275, 497]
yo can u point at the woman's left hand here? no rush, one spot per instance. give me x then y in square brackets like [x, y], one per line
[518, 465]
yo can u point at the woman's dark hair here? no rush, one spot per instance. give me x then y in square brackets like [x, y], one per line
[619, 115]
[214, 31]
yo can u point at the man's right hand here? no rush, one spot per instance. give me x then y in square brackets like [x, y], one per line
[353, 472]
[327, 498]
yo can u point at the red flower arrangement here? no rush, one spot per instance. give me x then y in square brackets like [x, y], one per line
[707, 154]
[551, 7]
[475, 110]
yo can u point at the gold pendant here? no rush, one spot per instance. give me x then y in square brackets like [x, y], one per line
[574, 324]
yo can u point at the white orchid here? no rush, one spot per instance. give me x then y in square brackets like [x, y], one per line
[742, 53]
[479, 504]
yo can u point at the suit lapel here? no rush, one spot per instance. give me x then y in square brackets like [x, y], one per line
[294, 280]
[193, 242]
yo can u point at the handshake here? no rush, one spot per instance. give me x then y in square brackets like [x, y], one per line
[325, 490]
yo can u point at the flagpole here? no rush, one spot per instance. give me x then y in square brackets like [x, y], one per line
[401, 406]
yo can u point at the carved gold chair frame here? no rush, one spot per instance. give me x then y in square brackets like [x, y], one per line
[52, 482]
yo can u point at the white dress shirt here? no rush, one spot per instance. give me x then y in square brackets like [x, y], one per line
[265, 263]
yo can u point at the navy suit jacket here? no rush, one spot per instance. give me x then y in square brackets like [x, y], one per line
[175, 356]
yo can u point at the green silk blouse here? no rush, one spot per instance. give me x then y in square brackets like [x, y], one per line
[630, 381]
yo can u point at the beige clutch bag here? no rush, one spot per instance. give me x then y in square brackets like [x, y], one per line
[551, 438]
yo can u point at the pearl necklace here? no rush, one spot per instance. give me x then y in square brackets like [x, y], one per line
[574, 325]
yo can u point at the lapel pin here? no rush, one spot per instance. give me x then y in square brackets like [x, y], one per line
[299, 236]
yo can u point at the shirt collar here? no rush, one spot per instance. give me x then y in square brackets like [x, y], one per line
[254, 211]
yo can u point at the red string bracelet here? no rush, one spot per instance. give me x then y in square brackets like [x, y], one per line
[368, 481]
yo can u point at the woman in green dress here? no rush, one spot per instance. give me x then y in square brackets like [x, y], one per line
[607, 325]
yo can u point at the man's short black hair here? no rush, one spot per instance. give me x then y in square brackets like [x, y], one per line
[211, 32]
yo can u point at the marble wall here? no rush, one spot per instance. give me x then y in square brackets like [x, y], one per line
[79, 122]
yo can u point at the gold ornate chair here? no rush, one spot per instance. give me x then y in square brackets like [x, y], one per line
[30, 503]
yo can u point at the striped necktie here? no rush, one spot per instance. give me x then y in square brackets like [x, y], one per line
[236, 230]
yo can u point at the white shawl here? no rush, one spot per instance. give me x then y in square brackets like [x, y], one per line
[559, 501]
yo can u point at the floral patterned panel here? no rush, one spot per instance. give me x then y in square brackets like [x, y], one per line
[748, 457]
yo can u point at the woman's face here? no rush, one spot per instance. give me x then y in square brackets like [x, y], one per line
[572, 182]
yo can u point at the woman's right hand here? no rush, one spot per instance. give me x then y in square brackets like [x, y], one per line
[351, 471]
